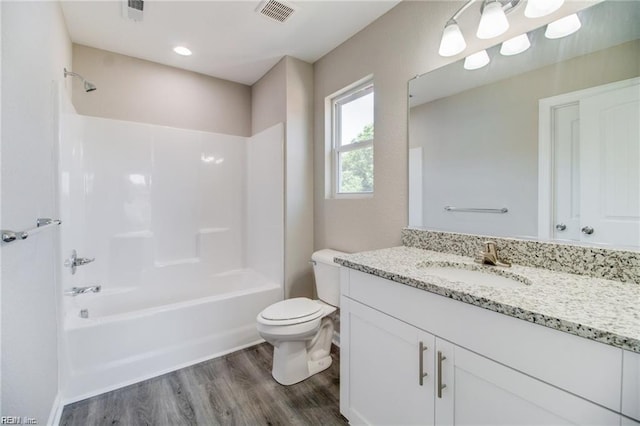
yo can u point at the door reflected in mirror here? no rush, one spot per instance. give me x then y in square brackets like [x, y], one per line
[551, 135]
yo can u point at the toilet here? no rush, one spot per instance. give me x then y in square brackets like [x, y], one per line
[300, 329]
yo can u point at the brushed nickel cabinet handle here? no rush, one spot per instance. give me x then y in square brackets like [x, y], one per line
[421, 349]
[440, 385]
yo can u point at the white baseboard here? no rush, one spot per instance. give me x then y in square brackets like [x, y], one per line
[56, 411]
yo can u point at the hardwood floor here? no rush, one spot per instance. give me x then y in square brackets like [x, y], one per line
[236, 389]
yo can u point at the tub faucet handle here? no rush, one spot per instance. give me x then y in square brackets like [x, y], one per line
[74, 261]
[74, 291]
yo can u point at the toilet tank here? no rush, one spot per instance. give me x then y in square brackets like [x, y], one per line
[327, 275]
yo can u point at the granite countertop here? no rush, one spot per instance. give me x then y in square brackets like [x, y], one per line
[598, 309]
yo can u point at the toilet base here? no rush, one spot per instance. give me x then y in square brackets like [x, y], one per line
[295, 361]
[319, 365]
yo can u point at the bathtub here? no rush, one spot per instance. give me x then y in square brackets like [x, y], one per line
[132, 334]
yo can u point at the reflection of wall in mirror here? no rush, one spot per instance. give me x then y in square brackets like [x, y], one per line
[480, 147]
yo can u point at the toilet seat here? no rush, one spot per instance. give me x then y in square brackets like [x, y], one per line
[291, 311]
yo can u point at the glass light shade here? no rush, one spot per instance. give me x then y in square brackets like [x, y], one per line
[539, 8]
[563, 27]
[493, 21]
[515, 45]
[477, 60]
[452, 41]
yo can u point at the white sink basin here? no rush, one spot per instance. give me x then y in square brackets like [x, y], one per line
[474, 275]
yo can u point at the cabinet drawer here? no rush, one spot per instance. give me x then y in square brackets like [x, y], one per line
[631, 384]
[586, 368]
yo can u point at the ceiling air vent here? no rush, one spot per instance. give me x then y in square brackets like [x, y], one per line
[276, 10]
[132, 9]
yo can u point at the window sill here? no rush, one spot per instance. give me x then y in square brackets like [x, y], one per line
[352, 196]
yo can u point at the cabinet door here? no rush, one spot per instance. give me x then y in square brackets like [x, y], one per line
[631, 384]
[479, 391]
[381, 369]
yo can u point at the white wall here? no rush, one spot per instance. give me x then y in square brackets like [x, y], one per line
[147, 92]
[35, 49]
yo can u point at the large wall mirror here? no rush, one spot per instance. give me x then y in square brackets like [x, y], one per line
[544, 144]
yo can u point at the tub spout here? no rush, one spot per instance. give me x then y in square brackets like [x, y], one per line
[74, 291]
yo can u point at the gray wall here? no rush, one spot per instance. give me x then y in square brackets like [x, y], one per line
[269, 98]
[394, 48]
[137, 90]
[398, 46]
[285, 94]
[35, 49]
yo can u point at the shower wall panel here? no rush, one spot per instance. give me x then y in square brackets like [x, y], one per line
[153, 203]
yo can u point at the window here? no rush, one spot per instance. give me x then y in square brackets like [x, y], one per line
[352, 141]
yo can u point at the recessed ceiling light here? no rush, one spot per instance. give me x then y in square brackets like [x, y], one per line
[181, 50]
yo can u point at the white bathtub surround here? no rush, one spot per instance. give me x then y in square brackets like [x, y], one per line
[187, 231]
[115, 348]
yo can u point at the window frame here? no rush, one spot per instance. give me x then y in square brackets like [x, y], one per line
[349, 95]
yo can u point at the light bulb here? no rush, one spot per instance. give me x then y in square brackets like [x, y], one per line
[452, 41]
[515, 45]
[539, 8]
[493, 21]
[477, 60]
[181, 50]
[563, 27]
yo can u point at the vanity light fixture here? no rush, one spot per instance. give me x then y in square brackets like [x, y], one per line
[452, 41]
[515, 45]
[493, 22]
[182, 51]
[563, 27]
[540, 8]
[476, 61]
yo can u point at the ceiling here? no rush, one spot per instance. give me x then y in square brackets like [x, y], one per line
[229, 39]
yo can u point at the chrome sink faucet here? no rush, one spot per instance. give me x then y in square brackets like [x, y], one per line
[490, 255]
[74, 291]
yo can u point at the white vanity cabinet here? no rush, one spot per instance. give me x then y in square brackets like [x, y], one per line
[481, 391]
[631, 384]
[387, 386]
[481, 367]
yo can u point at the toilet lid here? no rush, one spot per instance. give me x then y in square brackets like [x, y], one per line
[289, 309]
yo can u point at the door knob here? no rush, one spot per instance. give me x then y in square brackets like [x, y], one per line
[587, 230]
[561, 227]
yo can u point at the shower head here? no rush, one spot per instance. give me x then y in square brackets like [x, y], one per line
[88, 86]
